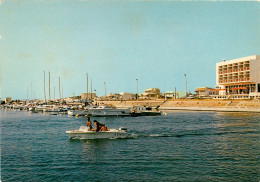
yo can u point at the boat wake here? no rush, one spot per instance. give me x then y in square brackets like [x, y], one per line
[187, 134]
[136, 135]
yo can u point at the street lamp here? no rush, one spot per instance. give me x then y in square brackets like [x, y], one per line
[105, 89]
[185, 83]
[137, 88]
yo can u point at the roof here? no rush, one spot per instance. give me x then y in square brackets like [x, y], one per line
[253, 57]
[202, 88]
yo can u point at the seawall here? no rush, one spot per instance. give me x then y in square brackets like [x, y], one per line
[193, 105]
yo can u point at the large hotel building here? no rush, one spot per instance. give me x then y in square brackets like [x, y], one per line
[238, 78]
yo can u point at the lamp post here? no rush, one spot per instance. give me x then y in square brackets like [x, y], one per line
[185, 83]
[105, 89]
[136, 89]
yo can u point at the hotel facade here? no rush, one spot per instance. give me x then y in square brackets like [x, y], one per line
[238, 78]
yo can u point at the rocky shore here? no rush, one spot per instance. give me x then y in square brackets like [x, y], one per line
[193, 105]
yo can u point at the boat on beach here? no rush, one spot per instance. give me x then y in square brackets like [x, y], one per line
[84, 133]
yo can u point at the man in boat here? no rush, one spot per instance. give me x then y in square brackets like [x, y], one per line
[99, 126]
[89, 124]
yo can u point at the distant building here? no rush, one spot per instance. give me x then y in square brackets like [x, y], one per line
[169, 94]
[151, 93]
[8, 99]
[85, 96]
[203, 92]
[238, 78]
[113, 96]
[180, 94]
[127, 96]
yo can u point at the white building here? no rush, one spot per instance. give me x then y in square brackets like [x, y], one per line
[203, 92]
[169, 94]
[239, 78]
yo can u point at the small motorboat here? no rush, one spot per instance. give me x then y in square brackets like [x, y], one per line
[84, 133]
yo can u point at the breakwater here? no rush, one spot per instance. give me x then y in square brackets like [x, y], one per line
[195, 105]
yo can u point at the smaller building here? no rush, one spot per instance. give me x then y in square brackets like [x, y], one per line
[151, 93]
[85, 96]
[127, 96]
[8, 99]
[169, 94]
[203, 92]
[114, 96]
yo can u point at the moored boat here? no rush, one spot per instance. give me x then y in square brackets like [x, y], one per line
[106, 110]
[84, 133]
[144, 111]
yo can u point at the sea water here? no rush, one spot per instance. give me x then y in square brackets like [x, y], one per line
[182, 146]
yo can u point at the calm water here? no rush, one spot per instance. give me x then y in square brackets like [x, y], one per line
[183, 146]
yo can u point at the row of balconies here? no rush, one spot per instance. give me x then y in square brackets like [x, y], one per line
[233, 70]
[234, 76]
[236, 64]
[234, 80]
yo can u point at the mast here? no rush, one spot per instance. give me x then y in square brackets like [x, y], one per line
[91, 90]
[31, 91]
[59, 89]
[54, 93]
[62, 93]
[87, 86]
[44, 88]
[49, 86]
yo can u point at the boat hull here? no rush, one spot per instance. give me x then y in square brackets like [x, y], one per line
[109, 112]
[78, 112]
[113, 133]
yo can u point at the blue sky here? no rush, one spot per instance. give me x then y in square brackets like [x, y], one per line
[118, 41]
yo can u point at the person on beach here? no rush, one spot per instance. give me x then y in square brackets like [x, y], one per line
[89, 124]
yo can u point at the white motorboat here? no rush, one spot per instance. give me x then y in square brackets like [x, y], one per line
[84, 133]
[144, 111]
[106, 110]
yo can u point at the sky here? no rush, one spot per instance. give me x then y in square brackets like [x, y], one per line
[117, 42]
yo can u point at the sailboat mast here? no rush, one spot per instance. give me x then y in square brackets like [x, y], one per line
[49, 86]
[44, 88]
[62, 93]
[31, 91]
[87, 87]
[59, 89]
